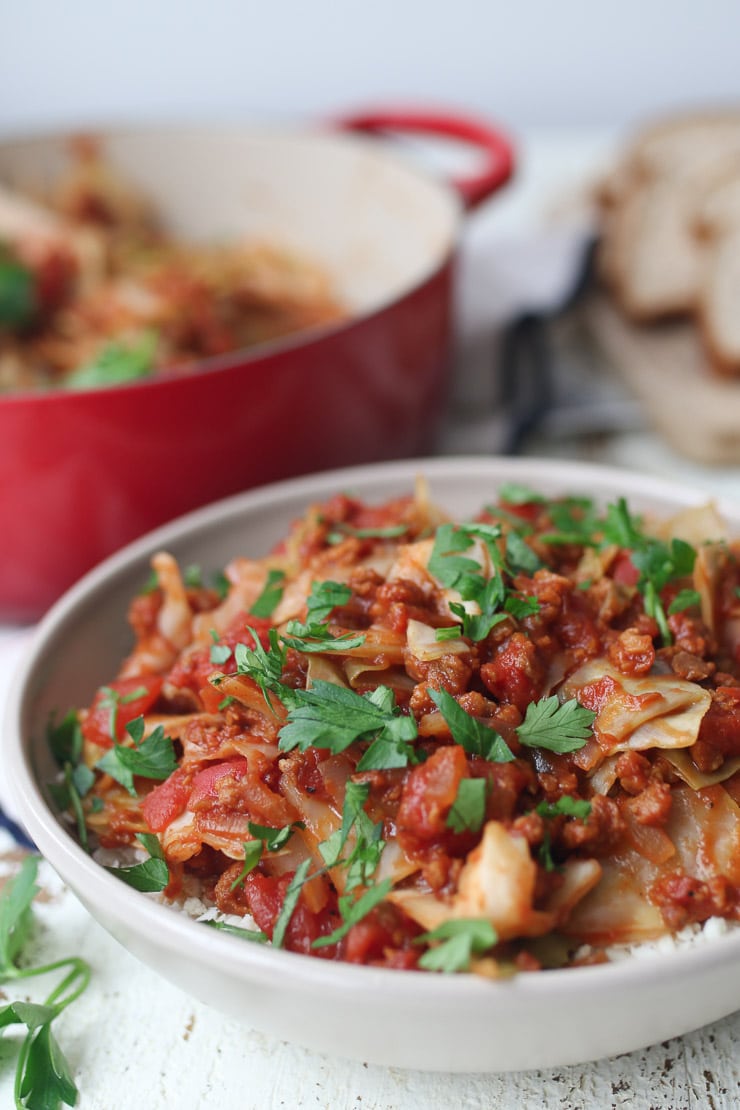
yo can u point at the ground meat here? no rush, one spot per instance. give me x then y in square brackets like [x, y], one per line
[515, 675]
[634, 772]
[599, 834]
[632, 653]
[692, 667]
[653, 805]
[450, 672]
[683, 900]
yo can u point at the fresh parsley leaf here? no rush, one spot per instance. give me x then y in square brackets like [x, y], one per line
[43, 1078]
[558, 728]
[475, 737]
[514, 493]
[15, 914]
[221, 584]
[489, 596]
[116, 363]
[313, 635]
[574, 521]
[264, 837]
[520, 556]
[152, 758]
[150, 875]
[265, 668]
[252, 856]
[565, 806]
[443, 634]
[620, 527]
[318, 638]
[468, 810]
[353, 910]
[390, 531]
[220, 654]
[273, 839]
[459, 940]
[684, 599]
[18, 300]
[446, 564]
[192, 577]
[270, 596]
[521, 607]
[254, 935]
[333, 717]
[290, 901]
[47, 1079]
[355, 796]
[324, 598]
[368, 847]
[65, 739]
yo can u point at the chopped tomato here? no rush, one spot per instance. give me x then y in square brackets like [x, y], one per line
[429, 793]
[167, 801]
[121, 701]
[624, 570]
[205, 783]
[265, 895]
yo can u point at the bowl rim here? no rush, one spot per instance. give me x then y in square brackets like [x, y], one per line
[252, 962]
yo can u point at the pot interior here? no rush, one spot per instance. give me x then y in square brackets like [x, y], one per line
[376, 225]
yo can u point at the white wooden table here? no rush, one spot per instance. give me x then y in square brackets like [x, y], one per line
[135, 1042]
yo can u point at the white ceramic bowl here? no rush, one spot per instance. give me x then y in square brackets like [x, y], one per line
[404, 1019]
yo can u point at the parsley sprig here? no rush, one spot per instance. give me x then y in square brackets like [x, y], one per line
[314, 634]
[459, 940]
[557, 727]
[43, 1078]
[150, 758]
[486, 601]
[658, 563]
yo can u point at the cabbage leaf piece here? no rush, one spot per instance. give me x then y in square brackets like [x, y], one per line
[635, 714]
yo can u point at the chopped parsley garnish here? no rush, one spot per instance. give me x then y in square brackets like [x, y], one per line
[256, 936]
[333, 717]
[313, 635]
[658, 563]
[485, 601]
[65, 741]
[265, 837]
[365, 856]
[152, 875]
[520, 556]
[271, 594]
[565, 806]
[18, 301]
[43, 1078]
[342, 531]
[353, 910]
[290, 901]
[443, 634]
[514, 493]
[459, 940]
[252, 856]
[475, 737]
[116, 363]
[265, 668]
[220, 654]
[684, 599]
[151, 758]
[468, 811]
[558, 728]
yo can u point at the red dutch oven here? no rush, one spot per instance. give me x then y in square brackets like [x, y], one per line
[82, 473]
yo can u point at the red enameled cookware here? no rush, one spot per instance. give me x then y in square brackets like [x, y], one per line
[82, 473]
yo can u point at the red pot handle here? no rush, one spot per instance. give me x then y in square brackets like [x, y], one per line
[473, 188]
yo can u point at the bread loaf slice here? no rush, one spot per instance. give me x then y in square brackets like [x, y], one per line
[718, 311]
